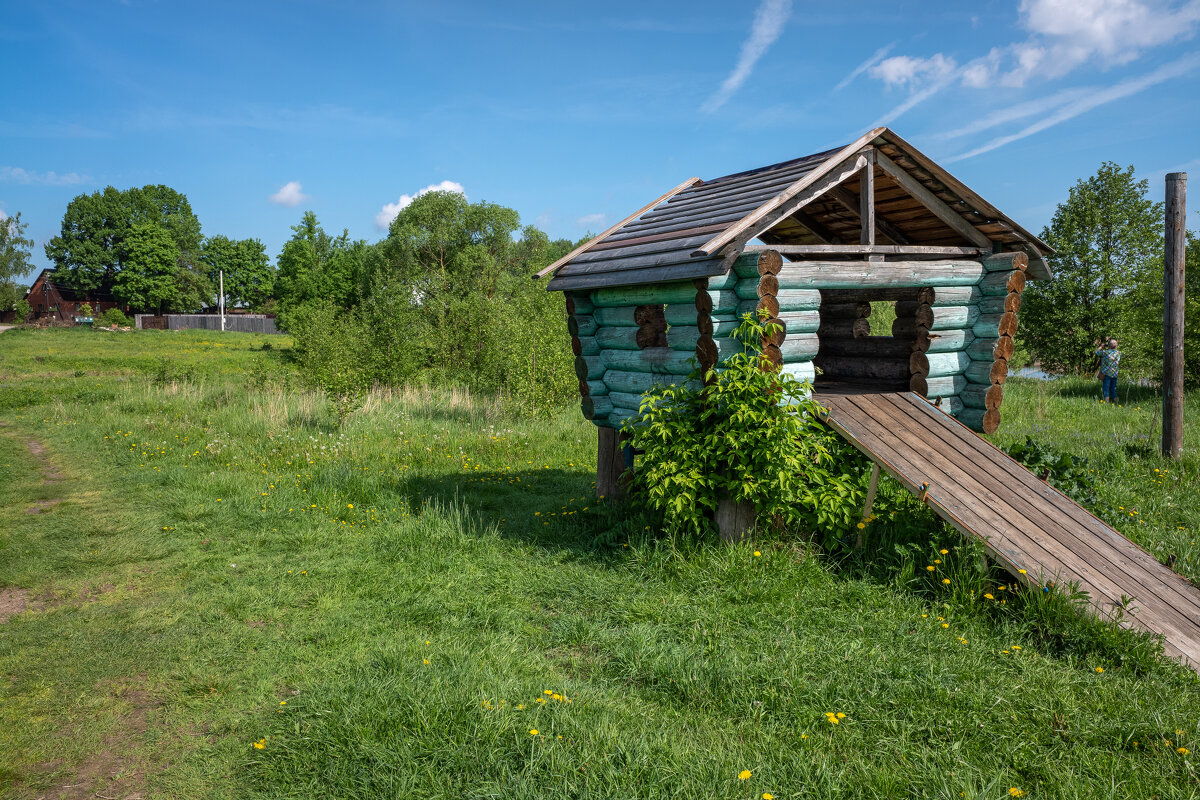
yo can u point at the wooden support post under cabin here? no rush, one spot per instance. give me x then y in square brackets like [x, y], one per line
[735, 520]
[872, 487]
[610, 464]
[1173, 315]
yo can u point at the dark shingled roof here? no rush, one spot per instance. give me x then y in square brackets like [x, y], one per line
[661, 243]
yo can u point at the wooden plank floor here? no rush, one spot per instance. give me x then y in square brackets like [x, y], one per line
[1024, 523]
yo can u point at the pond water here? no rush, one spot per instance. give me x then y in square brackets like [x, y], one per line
[1032, 372]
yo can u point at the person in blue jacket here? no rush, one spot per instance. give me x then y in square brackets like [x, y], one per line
[1110, 361]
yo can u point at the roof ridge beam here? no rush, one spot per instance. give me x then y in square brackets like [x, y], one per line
[784, 208]
[601, 237]
[735, 231]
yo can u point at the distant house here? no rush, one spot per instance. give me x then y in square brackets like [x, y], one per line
[54, 301]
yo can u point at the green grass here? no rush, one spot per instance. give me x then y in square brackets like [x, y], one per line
[382, 606]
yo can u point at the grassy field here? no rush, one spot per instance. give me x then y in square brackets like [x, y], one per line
[212, 590]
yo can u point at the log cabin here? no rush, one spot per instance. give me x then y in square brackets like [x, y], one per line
[812, 241]
[50, 300]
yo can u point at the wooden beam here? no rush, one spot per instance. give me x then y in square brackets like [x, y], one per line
[818, 230]
[785, 209]
[759, 214]
[596, 240]
[848, 201]
[931, 201]
[1173, 314]
[867, 249]
[866, 200]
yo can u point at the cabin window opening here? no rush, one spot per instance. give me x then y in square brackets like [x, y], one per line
[883, 314]
[652, 326]
[864, 337]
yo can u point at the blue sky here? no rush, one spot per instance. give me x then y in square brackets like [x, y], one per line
[573, 114]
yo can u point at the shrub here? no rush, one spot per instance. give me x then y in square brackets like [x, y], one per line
[114, 316]
[753, 435]
[1070, 474]
[333, 354]
[23, 309]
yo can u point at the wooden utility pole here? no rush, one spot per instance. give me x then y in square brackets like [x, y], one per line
[1172, 436]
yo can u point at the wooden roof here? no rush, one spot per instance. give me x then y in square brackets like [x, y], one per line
[697, 228]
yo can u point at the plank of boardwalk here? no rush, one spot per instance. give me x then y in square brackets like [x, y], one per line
[1098, 533]
[1103, 569]
[882, 417]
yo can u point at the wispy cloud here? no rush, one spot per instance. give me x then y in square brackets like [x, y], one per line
[1063, 36]
[1092, 100]
[19, 175]
[1030, 108]
[588, 220]
[769, 20]
[390, 210]
[291, 194]
[875, 58]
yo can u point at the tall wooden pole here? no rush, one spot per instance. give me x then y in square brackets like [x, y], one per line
[1172, 436]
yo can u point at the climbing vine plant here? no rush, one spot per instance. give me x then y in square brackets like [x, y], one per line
[752, 434]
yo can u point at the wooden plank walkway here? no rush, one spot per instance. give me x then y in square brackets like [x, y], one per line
[1024, 523]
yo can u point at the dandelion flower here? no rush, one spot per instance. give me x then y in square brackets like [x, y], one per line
[349, 505]
[744, 775]
[945, 580]
[768, 796]
[260, 744]
[840, 715]
[1023, 573]
[426, 660]
[533, 731]
[931, 568]
[943, 551]
[1015, 792]
[757, 554]
[1183, 751]
[548, 692]
[1099, 669]
[860, 526]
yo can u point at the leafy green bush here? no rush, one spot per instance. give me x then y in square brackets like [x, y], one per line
[753, 434]
[1070, 474]
[333, 354]
[23, 309]
[114, 316]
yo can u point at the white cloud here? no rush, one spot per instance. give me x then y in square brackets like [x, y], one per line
[290, 195]
[588, 220]
[1090, 100]
[769, 20]
[19, 175]
[389, 211]
[875, 58]
[909, 71]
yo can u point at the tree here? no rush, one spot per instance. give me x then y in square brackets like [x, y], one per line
[315, 267]
[90, 249]
[1108, 235]
[148, 279]
[14, 259]
[249, 279]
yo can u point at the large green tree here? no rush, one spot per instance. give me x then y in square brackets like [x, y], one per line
[315, 267]
[14, 259]
[249, 278]
[90, 249]
[149, 280]
[1108, 238]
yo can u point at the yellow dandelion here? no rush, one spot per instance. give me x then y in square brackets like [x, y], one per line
[757, 554]
[1183, 751]
[260, 744]
[744, 775]
[840, 715]
[1023, 573]
[1099, 669]
[349, 505]
[937, 561]
[990, 596]
[945, 580]
[931, 568]
[533, 731]
[943, 552]
[768, 796]
[1015, 792]
[548, 692]
[426, 660]
[860, 526]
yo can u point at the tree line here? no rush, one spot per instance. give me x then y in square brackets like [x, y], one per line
[446, 297]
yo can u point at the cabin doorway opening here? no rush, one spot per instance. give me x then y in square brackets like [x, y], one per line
[865, 339]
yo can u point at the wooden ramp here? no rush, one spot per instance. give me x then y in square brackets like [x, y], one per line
[1023, 522]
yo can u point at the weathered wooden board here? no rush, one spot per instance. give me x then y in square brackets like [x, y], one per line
[986, 373]
[884, 274]
[617, 338]
[949, 341]
[657, 361]
[1002, 282]
[647, 294]
[985, 349]
[636, 382]
[617, 317]
[581, 325]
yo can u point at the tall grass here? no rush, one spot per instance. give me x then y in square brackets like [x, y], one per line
[383, 607]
